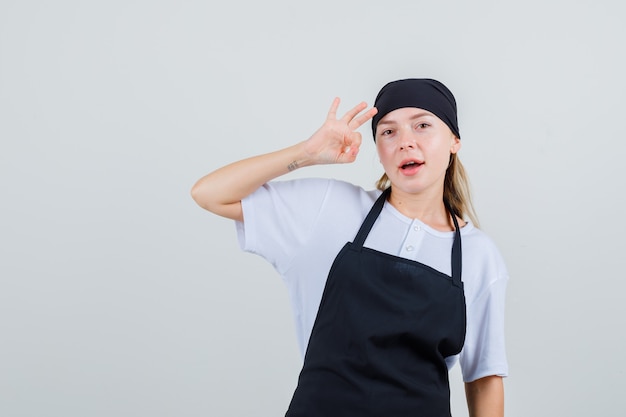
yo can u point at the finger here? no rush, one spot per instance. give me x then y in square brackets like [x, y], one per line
[353, 141]
[332, 113]
[354, 111]
[352, 149]
[360, 120]
[356, 139]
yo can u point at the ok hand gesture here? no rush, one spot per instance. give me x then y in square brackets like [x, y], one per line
[337, 141]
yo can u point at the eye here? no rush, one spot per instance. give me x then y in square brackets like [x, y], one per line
[386, 132]
[422, 125]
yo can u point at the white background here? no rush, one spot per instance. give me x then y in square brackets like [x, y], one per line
[120, 297]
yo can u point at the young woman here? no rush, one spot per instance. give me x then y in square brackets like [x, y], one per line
[385, 297]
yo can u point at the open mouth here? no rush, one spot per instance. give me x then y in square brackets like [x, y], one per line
[408, 165]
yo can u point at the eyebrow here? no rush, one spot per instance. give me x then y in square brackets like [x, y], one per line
[415, 116]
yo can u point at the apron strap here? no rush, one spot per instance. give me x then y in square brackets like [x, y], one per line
[369, 221]
[457, 264]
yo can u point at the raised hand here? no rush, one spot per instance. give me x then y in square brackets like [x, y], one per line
[337, 140]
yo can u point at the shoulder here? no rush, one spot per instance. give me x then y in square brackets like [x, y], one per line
[479, 244]
[342, 190]
[312, 184]
[483, 264]
[331, 190]
[311, 198]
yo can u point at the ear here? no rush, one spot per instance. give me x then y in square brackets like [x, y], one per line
[455, 146]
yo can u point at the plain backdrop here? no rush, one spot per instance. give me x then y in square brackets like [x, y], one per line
[120, 297]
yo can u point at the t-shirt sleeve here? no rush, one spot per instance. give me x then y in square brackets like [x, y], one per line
[279, 217]
[484, 351]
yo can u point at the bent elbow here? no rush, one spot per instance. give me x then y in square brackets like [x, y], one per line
[207, 199]
[199, 196]
[195, 193]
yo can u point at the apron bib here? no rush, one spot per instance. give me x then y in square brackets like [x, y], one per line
[383, 330]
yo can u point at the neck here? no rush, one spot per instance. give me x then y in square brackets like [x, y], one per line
[429, 209]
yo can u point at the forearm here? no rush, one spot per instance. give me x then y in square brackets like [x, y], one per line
[222, 190]
[485, 397]
[336, 141]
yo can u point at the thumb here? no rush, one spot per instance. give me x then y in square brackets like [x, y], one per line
[352, 145]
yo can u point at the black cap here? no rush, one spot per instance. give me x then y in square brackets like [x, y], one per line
[422, 93]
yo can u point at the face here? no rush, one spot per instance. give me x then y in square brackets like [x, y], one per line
[414, 147]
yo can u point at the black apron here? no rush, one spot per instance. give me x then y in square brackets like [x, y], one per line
[383, 330]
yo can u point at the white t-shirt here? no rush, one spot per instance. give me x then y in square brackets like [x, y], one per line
[300, 226]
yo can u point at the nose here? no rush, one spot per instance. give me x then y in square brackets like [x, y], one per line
[407, 141]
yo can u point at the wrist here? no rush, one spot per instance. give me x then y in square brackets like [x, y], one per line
[299, 157]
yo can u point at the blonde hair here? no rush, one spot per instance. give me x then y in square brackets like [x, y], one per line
[456, 190]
